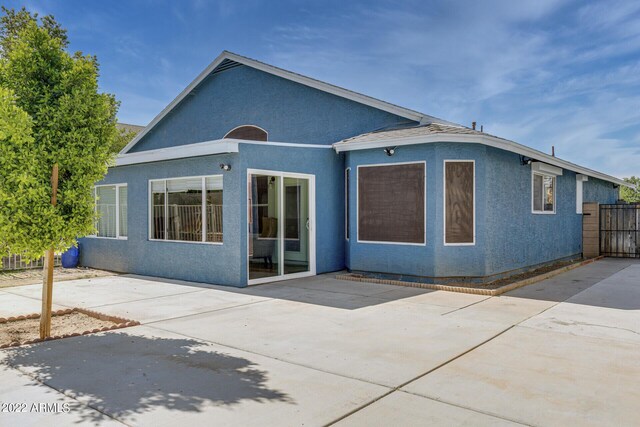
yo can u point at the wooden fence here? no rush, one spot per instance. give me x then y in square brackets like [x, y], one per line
[620, 230]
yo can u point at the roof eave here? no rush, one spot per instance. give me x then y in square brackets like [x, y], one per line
[478, 139]
[219, 146]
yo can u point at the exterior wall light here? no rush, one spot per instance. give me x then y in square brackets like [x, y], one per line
[225, 167]
[525, 160]
[390, 151]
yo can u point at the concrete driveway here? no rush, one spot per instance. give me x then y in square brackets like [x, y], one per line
[320, 351]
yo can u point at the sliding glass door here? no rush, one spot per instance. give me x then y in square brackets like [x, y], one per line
[280, 238]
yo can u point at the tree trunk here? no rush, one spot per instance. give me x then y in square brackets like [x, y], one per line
[47, 282]
[47, 294]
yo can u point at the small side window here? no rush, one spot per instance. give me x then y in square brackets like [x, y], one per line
[111, 209]
[544, 193]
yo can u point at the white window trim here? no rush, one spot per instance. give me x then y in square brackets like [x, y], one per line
[444, 202]
[555, 191]
[166, 207]
[580, 179]
[117, 186]
[424, 237]
[347, 171]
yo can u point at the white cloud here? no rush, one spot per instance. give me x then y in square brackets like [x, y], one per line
[542, 73]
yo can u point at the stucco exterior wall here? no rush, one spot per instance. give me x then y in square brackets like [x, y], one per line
[288, 111]
[224, 264]
[433, 259]
[188, 261]
[508, 235]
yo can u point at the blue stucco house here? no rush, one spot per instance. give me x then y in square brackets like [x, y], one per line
[255, 174]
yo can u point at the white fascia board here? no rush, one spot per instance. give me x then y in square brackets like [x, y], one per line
[175, 102]
[491, 141]
[298, 78]
[179, 152]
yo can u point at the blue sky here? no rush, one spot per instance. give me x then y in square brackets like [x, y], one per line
[542, 73]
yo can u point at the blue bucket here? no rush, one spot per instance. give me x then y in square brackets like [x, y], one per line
[70, 257]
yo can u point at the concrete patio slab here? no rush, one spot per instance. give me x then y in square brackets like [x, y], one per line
[144, 376]
[505, 310]
[30, 410]
[560, 288]
[609, 309]
[177, 305]
[543, 378]
[431, 297]
[105, 290]
[17, 305]
[313, 351]
[385, 344]
[404, 409]
[328, 283]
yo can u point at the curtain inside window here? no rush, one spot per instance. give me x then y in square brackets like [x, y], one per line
[106, 208]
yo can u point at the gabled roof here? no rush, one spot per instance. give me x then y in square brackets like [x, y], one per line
[227, 60]
[436, 132]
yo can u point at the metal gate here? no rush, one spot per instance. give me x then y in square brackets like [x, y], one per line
[620, 230]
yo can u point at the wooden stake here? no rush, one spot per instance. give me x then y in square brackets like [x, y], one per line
[47, 281]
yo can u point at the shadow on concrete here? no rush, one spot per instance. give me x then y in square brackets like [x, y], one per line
[324, 290]
[568, 285]
[125, 375]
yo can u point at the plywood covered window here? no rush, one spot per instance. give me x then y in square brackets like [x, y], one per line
[391, 203]
[459, 202]
[248, 132]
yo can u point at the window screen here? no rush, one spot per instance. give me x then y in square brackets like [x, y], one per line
[459, 194]
[391, 201]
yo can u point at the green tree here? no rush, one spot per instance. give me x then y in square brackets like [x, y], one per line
[68, 124]
[16, 144]
[628, 194]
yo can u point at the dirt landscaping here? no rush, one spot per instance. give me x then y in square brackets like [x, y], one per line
[66, 323]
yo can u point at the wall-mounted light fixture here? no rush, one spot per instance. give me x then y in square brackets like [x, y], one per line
[390, 151]
[524, 160]
[225, 167]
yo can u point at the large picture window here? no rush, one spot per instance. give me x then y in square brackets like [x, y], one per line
[391, 203]
[459, 203]
[187, 209]
[111, 207]
[544, 193]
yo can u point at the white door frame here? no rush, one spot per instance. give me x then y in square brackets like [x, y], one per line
[312, 225]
